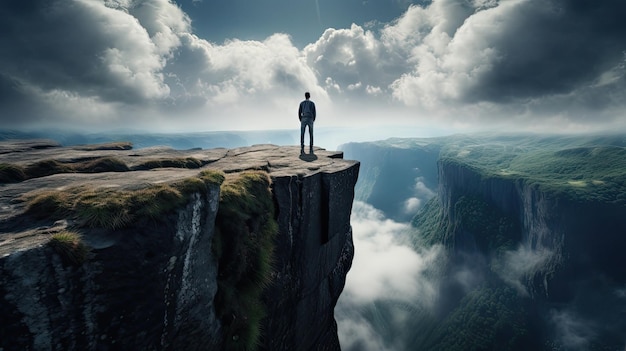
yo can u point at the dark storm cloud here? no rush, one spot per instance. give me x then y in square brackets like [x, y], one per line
[18, 106]
[76, 47]
[557, 63]
[555, 47]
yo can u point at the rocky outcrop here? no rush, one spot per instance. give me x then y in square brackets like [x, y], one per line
[314, 255]
[151, 284]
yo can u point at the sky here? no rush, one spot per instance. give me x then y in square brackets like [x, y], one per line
[200, 65]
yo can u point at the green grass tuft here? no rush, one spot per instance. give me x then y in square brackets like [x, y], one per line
[212, 176]
[156, 200]
[188, 162]
[104, 209]
[46, 168]
[11, 173]
[115, 208]
[70, 247]
[102, 164]
[50, 204]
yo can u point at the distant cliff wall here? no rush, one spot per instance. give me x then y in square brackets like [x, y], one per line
[391, 171]
[578, 238]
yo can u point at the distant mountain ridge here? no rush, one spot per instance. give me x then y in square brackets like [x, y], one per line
[534, 223]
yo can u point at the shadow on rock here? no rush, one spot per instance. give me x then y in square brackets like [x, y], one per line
[308, 157]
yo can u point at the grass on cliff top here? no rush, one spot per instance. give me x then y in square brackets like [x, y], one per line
[70, 246]
[588, 169]
[114, 208]
[244, 246]
[186, 162]
[11, 173]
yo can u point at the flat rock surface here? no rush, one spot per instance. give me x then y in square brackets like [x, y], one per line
[278, 161]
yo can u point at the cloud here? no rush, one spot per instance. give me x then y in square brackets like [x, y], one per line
[385, 268]
[356, 333]
[572, 331]
[107, 53]
[138, 62]
[522, 58]
[421, 195]
[384, 262]
[459, 64]
[516, 267]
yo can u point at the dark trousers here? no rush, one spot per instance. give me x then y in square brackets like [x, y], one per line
[303, 124]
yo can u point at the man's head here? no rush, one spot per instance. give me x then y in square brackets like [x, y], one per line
[307, 95]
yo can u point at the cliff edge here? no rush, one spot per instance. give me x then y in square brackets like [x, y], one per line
[107, 247]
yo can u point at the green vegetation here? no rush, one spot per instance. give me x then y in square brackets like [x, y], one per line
[11, 173]
[586, 169]
[70, 247]
[493, 232]
[187, 162]
[51, 204]
[488, 318]
[244, 245]
[114, 208]
[46, 168]
[101, 164]
[431, 228]
[480, 307]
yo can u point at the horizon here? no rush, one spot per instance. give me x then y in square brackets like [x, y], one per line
[328, 138]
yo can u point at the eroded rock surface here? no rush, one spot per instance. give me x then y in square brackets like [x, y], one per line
[151, 285]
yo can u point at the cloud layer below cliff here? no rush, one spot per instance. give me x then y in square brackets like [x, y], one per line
[532, 64]
[385, 268]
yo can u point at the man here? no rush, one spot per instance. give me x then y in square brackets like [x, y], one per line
[306, 114]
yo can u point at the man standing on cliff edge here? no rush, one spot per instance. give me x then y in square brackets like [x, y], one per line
[306, 114]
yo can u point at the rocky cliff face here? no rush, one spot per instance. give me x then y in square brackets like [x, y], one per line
[151, 283]
[572, 238]
[532, 232]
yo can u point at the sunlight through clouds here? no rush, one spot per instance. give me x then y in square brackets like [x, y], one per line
[458, 64]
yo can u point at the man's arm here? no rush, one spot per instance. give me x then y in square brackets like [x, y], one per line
[300, 112]
[313, 110]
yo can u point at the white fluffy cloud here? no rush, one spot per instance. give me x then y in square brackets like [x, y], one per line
[452, 62]
[385, 268]
[384, 262]
[515, 267]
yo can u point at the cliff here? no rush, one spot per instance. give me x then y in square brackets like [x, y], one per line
[106, 247]
[572, 219]
[530, 230]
